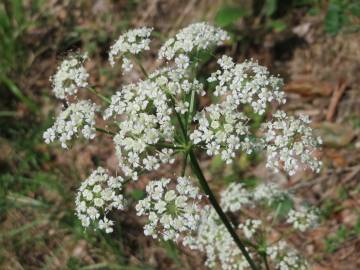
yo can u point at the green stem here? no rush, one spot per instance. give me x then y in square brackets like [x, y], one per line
[197, 170]
[143, 70]
[166, 145]
[267, 266]
[106, 99]
[191, 109]
[105, 131]
[184, 165]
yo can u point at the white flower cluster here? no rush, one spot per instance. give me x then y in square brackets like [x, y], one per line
[146, 111]
[70, 76]
[268, 192]
[196, 36]
[286, 258]
[216, 242]
[234, 197]
[132, 42]
[140, 130]
[289, 142]
[250, 227]
[223, 130]
[247, 83]
[303, 219]
[77, 117]
[156, 118]
[99, 194]
[176, 82]
[172, 213]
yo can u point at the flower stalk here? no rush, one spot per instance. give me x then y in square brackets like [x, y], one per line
[204, 185]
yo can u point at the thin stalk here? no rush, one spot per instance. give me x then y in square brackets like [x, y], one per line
[166, 145]
[143, 70]
[191, 109]
[183, 169]
[105, 131]
[197, 170]
[267, 266]
[106, 99]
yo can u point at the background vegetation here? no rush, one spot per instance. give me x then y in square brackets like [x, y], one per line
[313, 44]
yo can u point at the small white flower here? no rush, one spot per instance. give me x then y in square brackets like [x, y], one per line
[182, 61]
[249, 227]
[234, 197]
[132, 42]
[70, 76]
[268, 192]
[172, 213]
[286, 258]
[215, 241]
[302, 219]
[92, 206]
[223, 130]
[247, 83]
[77, 117]
[289, 142]
[126, 65]
[194, 37]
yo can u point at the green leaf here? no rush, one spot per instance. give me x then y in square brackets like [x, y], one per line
[355, 9]
[283, 205]
[11, 86]
[314, 11]
[278, 26]
[333, 20]
[357, 227]
[270, 7]
[138, 194]
[228, 15]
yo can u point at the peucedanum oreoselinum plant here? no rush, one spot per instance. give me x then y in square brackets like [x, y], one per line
[158, 119]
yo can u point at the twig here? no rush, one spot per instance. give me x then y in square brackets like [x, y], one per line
[337, 94]
[352, 174]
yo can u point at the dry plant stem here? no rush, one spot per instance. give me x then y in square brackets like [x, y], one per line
[197, 170]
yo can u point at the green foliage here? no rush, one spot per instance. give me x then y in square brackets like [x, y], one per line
[282, 205]
[270, 7]
[278, 25]
[227, 15]
[333, 242]
[13, 24]
[339, 14]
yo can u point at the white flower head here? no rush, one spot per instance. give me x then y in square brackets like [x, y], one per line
[97, 196]
[78, 117]
[249, 227]
[193, 37]
[215, 241]
[222, 130]
[268, 193]
[285, 258]
[303, 219]
[234, 197]
[70, 76]
[289, 143]
[247, 83]
[132, 42]
[172, 213]
[146, 114]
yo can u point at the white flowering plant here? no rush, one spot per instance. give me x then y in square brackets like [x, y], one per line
[157, 120]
